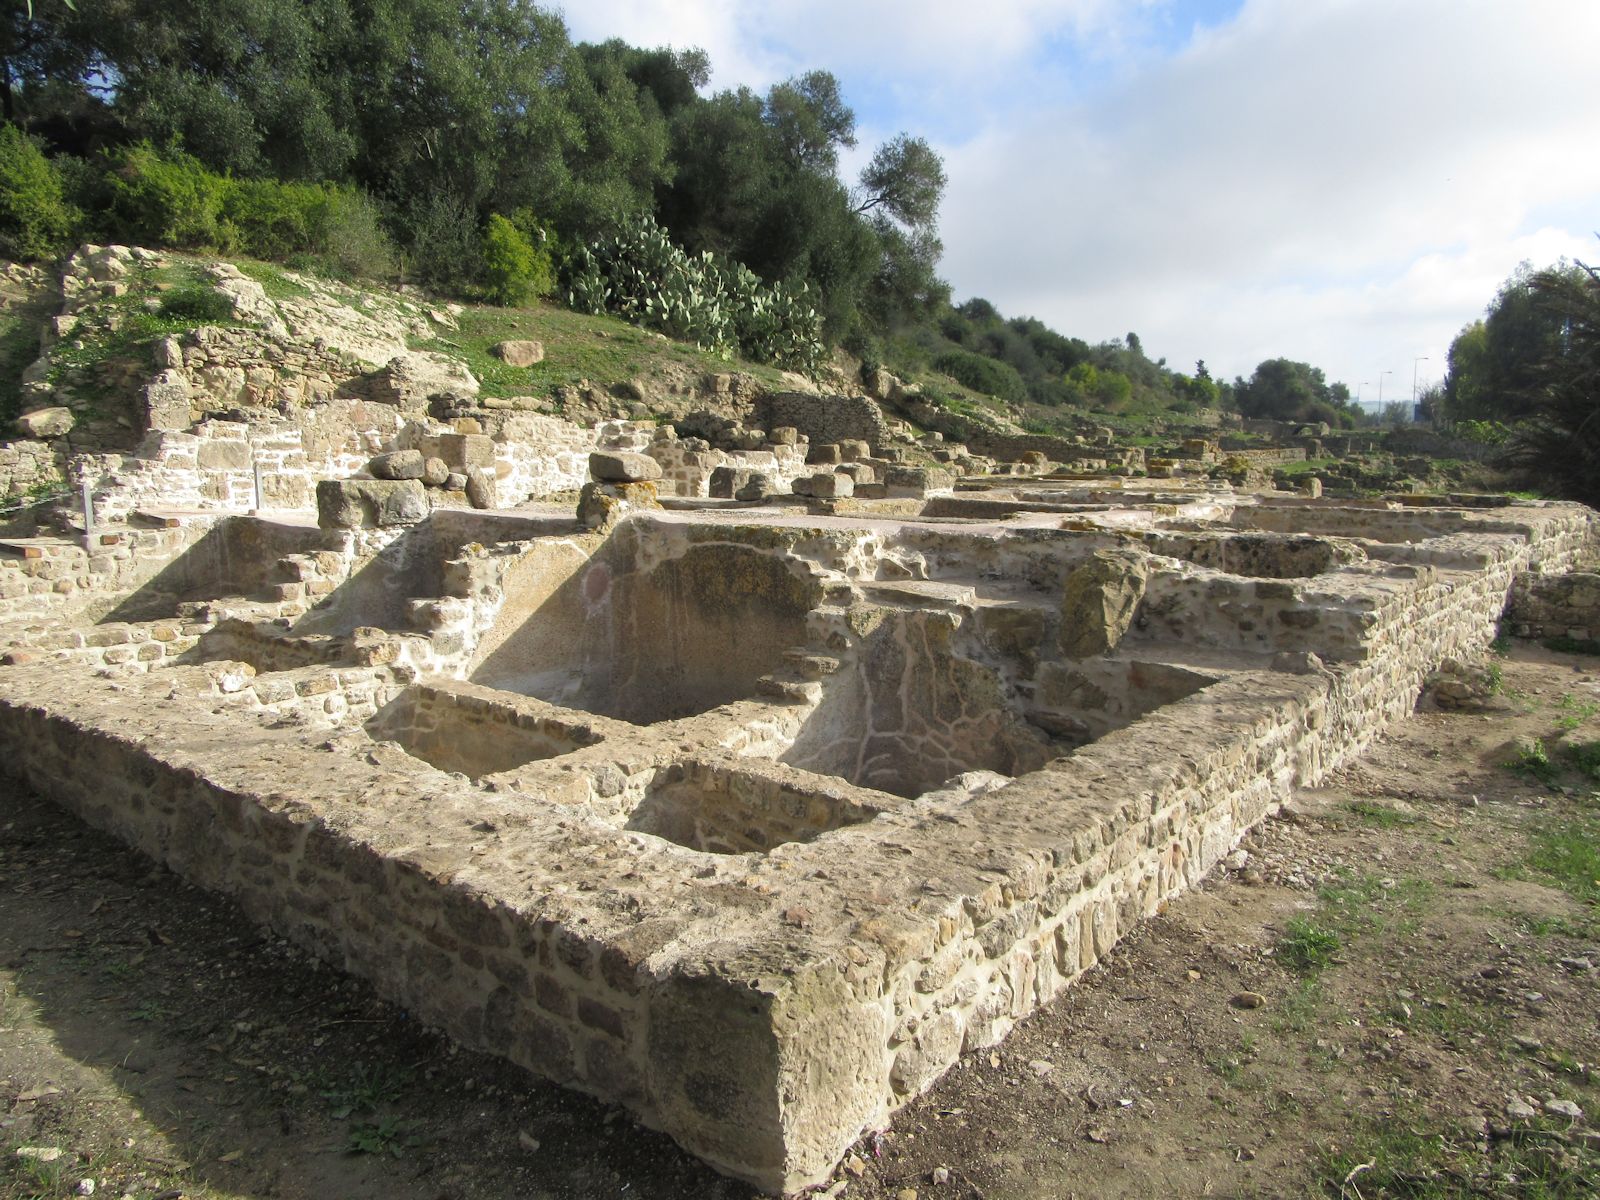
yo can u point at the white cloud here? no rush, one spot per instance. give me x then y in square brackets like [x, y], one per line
[1308, 181]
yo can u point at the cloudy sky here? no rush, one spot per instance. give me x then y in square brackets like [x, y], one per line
[1345, 182]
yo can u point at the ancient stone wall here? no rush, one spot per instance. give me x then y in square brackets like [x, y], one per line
[1556, 606]
[824, 419]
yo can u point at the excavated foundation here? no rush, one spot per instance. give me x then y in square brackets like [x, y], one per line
[750, 822]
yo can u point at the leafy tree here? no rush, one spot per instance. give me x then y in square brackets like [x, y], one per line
[811, 121]
[1560, 435]
[1284, 390]
[906, 180]
[1497, 366]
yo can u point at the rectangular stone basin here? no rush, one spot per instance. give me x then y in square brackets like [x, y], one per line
[476, 735]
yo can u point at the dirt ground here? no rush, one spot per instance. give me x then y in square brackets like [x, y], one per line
[1392, 991]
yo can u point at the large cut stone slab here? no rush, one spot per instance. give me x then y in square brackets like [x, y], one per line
[370, 503]
[622, 466]
[1098, 601]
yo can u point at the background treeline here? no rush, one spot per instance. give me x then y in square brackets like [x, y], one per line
[1527, 378]
[395, 129]
[471, 147]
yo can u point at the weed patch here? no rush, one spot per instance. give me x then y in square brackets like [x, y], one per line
[1393, 1158]
[1306, 946]
[1531, 758]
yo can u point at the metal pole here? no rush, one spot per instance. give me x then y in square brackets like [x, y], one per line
[255, 464]
[88, 508]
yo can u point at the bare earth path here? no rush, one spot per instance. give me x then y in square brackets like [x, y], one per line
[1394, 991]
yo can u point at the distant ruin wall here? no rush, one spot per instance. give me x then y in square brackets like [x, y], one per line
[825, 419]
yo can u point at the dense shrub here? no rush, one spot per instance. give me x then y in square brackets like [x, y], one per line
[172, 200]
[445, 249]
[167, 201]
[982, 374]
[35, 219]
[348, 238]
[196, 302]
[515, 268]
[639, 273]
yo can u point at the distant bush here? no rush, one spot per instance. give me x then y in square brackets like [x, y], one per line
[35, 219]
[348, 237]
[981, 374]
[166, 201]
[171, 200]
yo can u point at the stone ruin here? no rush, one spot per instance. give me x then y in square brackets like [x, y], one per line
[754, 786]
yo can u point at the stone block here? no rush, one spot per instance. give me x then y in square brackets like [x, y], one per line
[784, 435]
[482, 489]
[852, 449]
[370, 503]
[223, 455]
[760, 486]
[166, 402]
[622, 466]
[460, 450]
[725, 482]
[825, 455]
[1099, 600]
[47, 423]
[435, 472]
[398, 464]
[828, 485]
[603, 504]
[518, 353]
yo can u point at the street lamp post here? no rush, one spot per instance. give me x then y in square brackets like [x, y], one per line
[1415, 364]
[1381, 374]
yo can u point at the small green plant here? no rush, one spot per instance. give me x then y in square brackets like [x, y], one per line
[1586, 756]
[1306, 946]
[1384, 816]
[367, 1089]
[149, 1010]
[387, 1136]
[1531, 758]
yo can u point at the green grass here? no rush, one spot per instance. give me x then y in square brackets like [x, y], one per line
[1401, 1157]
[1586, 756]
[1306, 946]
[1567, 852]
[274, 281]
[578, 348]
[1382, 815]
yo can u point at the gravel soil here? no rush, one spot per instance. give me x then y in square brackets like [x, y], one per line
[1393, 989]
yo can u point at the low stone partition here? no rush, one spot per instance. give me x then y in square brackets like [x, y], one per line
[1556, 606]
